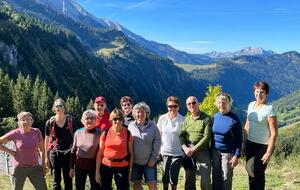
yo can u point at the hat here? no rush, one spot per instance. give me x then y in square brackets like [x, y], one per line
[250, 166]
[100, 99]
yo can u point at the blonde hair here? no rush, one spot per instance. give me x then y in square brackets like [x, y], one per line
[116, 113]
[56, 102]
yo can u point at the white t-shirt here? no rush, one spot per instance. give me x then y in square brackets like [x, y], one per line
[170, 131]
[259, 131]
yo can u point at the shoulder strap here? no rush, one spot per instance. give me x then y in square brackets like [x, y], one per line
[70, 123]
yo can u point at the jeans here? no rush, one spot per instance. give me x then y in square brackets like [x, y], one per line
[35, 175]
[150, 173]
[257, 150]
[80, 179]
[120, 175]
[60, 161]
[222, 171]
[203, 159]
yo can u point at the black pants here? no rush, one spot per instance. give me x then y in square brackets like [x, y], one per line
[257, 150]
[60, 161]
[80, 179]
[120, 175]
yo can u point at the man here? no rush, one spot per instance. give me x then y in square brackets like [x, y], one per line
[126, 104]
[195, 139]
[102, 121]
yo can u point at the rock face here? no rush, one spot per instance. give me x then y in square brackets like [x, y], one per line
[9, 54]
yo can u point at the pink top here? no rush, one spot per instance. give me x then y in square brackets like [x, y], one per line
[26, 146]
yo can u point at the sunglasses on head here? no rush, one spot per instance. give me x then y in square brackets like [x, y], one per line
[191, 103]
[173, 106]
[60, 106]
[117, 119]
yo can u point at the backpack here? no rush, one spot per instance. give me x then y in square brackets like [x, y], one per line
[128, 154]
[53, 137]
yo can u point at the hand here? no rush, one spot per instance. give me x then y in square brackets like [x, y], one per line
[44, 169]
[151, 163]
[47, 163]
[266, 158]
[98, 177]
[188, 151]
[129, 175]
[234, 161]
[71, 173]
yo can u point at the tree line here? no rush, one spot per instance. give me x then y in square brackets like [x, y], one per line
[25, 94]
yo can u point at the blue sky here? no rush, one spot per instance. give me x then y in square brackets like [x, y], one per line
[200, 26]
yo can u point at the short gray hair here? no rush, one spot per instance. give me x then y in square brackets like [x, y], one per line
[88, 112]
[142, 106]
[224, 96]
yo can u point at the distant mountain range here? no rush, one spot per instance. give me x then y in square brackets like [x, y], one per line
[80, 54]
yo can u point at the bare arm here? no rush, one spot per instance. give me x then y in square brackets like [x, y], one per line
[42, 153]
[130, 147]
[272, 121]
[46, 151]
[4, 140]
[99, 160]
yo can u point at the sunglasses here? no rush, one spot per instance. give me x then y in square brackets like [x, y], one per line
[191, 103]
[126, 105]
[173, 106]
[117, 119]
[60, 106]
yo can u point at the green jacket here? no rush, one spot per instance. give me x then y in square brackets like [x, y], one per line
[197, 131]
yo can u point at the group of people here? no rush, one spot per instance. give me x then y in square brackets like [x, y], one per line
[127, 146]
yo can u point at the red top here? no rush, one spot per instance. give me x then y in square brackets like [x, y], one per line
[115, 147]
[103, 122]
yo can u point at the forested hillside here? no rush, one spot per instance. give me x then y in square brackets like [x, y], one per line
[288, 109]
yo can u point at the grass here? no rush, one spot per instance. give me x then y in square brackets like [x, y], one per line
[283, 176]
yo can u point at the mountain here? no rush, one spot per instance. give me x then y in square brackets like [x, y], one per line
[237, 75]
[288, 109]
[79, 59]
[246, 51]
[70, 8]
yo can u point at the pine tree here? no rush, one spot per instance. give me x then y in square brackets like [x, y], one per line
[208, 104]
[6, 102]
[36, 95]
[22, 94]
[90, 104]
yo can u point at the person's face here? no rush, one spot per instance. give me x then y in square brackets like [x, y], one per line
[59, 108]
[172, 107]
[99, 107]
[126, 107]
[25, 121]
[89, 122]
[260, 95]
[223, 105]
[117, 121]
[140, 116]
[192, 105]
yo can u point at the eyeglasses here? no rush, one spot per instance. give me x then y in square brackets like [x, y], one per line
[173, 106]
[60, 106]
[117, 119]
[191, 103]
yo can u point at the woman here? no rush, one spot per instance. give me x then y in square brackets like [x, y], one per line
[146, 144]
[169, 126]
[260, 134]
[58, 141]
[115, 155]
[84, 151]
[227, 142]
[28, 141]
